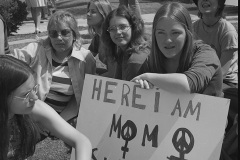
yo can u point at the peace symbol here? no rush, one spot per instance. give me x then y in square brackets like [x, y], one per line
[181, 145]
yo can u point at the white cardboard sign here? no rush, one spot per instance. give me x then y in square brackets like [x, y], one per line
[125, 122]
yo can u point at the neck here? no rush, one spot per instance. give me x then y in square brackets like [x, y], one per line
[97, 30]
[210, 21]
[171, 65]
[62, 55]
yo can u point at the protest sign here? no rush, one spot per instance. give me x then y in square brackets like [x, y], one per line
[125, 122]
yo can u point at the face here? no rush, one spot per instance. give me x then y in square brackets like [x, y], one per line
[208, 6]
[121, 37]
[18, 105]
[64, 41]
[93, 15]
[170, 37]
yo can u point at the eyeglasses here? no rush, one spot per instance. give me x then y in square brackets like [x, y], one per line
[122, 28]
[26, 98]
[63, 33]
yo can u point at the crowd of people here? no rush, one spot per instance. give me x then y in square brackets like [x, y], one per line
[181, 57]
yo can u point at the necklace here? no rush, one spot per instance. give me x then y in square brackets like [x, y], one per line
[212, 24]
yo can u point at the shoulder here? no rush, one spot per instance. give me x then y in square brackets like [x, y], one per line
[40, 109]
[140, 55]
[196, 23]
[226, 28]
[29, 50]
[205, 52]
[83, 54]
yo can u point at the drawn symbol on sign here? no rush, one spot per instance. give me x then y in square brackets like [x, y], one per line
[130, 135]
[181, 144]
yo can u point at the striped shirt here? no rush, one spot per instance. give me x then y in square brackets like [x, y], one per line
[61, 89]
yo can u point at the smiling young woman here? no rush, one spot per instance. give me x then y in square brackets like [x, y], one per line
[124, 43]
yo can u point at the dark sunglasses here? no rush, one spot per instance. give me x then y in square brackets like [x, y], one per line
[63, 33]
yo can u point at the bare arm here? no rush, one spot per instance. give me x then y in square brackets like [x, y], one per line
[174, 82]
[1, 37]
[50, 120]
[226, 59]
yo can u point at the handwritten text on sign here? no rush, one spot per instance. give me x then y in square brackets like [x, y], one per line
[124, 121]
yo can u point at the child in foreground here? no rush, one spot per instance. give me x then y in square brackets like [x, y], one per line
[20, 110]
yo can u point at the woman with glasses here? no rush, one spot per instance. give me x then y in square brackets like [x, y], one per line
[20, 110]
[60, 63]
[124, 43]
[178, 63]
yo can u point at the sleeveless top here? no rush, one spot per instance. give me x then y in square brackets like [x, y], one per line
[6, 46]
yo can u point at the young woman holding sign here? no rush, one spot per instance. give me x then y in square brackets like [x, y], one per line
[177, 62]
[20, 110]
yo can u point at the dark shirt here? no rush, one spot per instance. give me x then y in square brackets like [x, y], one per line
[6, 46]
[133, 64]
[205, 74]
[95, 45]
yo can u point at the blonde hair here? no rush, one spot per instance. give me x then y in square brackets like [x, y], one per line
[104, 8]
[64, 17]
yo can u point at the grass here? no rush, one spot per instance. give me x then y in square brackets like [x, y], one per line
[55, 149]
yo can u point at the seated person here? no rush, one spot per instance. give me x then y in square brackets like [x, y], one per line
[178, 63]
[60, 63]
[221, 35]
[124, 43]
[20, 110]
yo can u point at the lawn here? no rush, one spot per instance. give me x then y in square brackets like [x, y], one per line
[55, 149]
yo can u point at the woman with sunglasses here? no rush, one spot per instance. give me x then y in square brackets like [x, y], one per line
[60, 63]
[20, 110]
[124, 43]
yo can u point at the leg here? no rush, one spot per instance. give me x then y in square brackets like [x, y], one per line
[36, 14]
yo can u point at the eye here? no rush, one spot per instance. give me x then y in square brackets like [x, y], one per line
[122, 27]
[160, 32]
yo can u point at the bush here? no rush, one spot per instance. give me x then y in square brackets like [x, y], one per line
[14, 12]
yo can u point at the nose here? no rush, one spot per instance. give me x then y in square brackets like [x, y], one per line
[118, 31]
[88, 13]
[168, 39]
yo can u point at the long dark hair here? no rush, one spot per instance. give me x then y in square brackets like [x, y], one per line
[13, 74]
[137, 41]
[180, 14]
